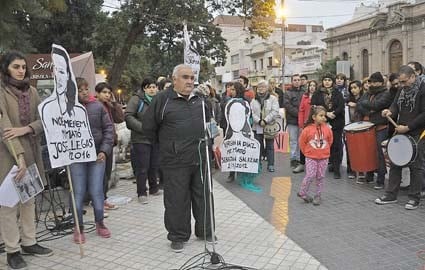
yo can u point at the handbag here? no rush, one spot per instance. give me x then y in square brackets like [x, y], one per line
[272, 129]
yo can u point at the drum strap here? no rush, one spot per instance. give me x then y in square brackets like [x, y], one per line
[422, 135]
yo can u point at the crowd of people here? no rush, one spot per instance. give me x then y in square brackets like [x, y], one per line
[166, 118]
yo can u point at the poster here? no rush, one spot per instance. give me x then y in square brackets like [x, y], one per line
[65, 121]
[30, 185]
[240, 151]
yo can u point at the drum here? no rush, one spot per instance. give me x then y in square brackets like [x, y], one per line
[361, 146]
[401, 150]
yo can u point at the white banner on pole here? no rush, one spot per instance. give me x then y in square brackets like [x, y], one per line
[191, 56]
[65, 121]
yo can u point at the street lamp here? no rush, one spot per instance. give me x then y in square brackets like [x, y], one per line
[119, 95]
[281, 13]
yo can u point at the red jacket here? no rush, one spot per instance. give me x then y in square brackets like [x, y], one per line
[315, 141]
[304, 110]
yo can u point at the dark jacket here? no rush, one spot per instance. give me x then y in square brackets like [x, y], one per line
[414, 119]
[133, 118]
[372, 103]
[291, 103]
[280, 93]
[178, 126]
[337, 106]
[101, 126]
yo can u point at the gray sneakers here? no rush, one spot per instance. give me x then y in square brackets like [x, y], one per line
[177, 247]
[317, 200]
[298, 169]
[143, 199]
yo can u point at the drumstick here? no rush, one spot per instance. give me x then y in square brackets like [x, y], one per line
[391, 121]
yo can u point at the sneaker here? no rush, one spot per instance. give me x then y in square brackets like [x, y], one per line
[159, 192]
[231, 177]
[317, 200]
[299, 168]
[102, 231]
[337, 174]
[177, 247]
[77, 236]
[270, 168]
[306, 198]
[105, 215]
[360, 181]
[37, 251]
[15, 261]
[385, 200]
[369, 177]
[362, 175]
[330, 168]
[411, 205]
[143, 199]
[109, 206]
[378, 186]
[351, 175]
[294, 164]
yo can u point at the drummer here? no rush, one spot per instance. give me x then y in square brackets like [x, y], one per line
[409, 108]
[369, 109]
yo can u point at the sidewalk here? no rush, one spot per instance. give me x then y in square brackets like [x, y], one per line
[139, 239]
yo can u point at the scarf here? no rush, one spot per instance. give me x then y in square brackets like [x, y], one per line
[407, 96]
[20, 90]
[327, 95]
[149, 98]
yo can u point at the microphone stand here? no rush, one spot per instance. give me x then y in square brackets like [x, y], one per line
[214, 256]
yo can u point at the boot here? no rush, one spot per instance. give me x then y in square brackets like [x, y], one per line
[337, 172]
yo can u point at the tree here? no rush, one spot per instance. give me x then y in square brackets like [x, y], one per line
[327, 67]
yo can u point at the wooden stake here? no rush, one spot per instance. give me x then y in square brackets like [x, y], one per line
[76, 222]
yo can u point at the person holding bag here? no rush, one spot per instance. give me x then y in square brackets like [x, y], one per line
[20, 130]
[265, 114]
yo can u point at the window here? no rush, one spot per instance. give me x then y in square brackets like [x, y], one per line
[345, 56]
[396, 56]
[365, 63]
[261, 64]
[234, 59]
[235, 74]
[255, 64]
[270, 59]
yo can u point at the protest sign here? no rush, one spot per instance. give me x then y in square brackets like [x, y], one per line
[65, 122]
[191, 56]
[240, 151]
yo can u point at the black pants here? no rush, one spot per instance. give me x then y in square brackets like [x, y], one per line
[336, 149]
[416, 174]
[183, 190]
[146, 161]
[302, 158]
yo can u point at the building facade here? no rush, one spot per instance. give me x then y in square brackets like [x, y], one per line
[391, 36]
[258, 58]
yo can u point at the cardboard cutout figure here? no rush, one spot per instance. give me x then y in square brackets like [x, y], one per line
[240, 151]
[65, 121]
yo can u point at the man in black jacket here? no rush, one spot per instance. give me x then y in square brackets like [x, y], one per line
[369, 107]
[175, 119]
[409, 108]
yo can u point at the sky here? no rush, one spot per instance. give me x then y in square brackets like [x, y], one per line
[329, 13]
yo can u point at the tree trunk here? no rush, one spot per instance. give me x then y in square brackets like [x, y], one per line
[121, 58]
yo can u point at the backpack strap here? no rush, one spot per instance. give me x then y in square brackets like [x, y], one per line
[141, 104]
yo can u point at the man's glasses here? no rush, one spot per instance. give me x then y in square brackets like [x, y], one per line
[187, 77]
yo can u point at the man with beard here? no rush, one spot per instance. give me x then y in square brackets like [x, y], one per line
[409, 108]
[369, 108]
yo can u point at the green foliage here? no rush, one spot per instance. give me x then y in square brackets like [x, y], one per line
[327, 67]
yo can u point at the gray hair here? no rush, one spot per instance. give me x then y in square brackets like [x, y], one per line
[406, 70]
[178, 67]
[264, 82]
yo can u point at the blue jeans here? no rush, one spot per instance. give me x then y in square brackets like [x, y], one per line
[88, 176]
[268, 151]
[294, 133]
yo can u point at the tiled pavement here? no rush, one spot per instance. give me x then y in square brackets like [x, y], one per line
[139, 240]
[348, 231]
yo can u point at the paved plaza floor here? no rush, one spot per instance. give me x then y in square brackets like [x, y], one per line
[139, 240]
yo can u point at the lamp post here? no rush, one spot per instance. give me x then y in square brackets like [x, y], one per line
[119, 95]
[281, 14]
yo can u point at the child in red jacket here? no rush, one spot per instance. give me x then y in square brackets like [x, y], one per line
[315, 142]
